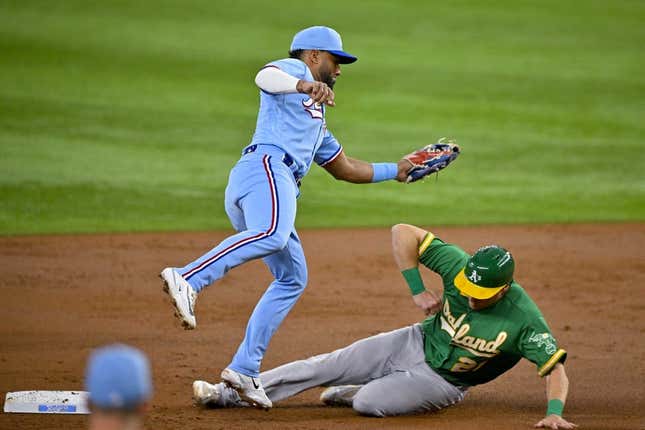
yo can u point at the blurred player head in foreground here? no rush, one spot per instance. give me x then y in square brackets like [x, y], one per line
[119, 385]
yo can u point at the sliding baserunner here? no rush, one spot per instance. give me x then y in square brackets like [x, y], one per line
[481, 326]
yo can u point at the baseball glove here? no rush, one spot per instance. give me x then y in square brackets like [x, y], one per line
[431, 159]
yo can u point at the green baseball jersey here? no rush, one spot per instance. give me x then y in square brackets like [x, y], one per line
[468, 347]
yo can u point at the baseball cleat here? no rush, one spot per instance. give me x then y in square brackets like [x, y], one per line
[205, 394]
[249, 388]
[182, 295]
[342, 395]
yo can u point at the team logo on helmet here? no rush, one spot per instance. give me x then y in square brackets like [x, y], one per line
[474, 277]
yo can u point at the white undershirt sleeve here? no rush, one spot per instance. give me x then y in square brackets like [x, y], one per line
[275, 81]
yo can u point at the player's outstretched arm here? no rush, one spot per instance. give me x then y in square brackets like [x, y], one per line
[557, 388]
[349, 169]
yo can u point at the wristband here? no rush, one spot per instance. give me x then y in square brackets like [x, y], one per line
[555, 407]
[413, 278]
[384, 171]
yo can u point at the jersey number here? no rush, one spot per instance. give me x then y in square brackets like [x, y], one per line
[465, 364]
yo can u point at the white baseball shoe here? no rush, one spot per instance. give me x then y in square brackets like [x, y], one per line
[182, 295]
[342, 395]
[206, 394]
[249, 388]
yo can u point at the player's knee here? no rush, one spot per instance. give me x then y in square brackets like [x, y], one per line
[277, 241]
[302, 278]
[366, 406]
[296, 281]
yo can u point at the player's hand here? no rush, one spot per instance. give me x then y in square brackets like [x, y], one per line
[429, 302]
[555, 422]
[318, 91]
[403, 166]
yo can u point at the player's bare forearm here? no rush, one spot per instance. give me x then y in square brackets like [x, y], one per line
[557, 388]
[356, 171]
[557, 384]
[351, 170]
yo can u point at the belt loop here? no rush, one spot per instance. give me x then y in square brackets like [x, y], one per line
[249, 149]
[286, 159]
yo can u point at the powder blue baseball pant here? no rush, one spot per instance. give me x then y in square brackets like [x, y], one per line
[261, 204]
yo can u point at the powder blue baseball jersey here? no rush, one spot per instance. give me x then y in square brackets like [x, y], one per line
[260, 201]
[293, 123]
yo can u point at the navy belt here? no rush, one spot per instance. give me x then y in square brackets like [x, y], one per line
[286, 158]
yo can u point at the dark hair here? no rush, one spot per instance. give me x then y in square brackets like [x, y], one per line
[297, 54]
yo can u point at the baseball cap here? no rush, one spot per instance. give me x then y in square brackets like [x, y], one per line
[324, 39]
[487, 271]
[118, 377]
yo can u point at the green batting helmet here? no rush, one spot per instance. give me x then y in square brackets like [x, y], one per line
[488, 271]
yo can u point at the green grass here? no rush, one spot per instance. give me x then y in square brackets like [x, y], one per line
[127, 116]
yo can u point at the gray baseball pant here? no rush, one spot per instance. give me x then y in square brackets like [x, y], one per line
[391, 368]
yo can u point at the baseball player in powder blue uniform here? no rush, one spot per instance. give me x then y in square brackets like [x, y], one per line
[119, 383]
[260, 200]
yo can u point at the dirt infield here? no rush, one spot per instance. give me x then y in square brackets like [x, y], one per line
[64, 295]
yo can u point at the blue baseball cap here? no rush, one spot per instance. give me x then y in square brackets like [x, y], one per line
[324, 39]
[118, 377]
